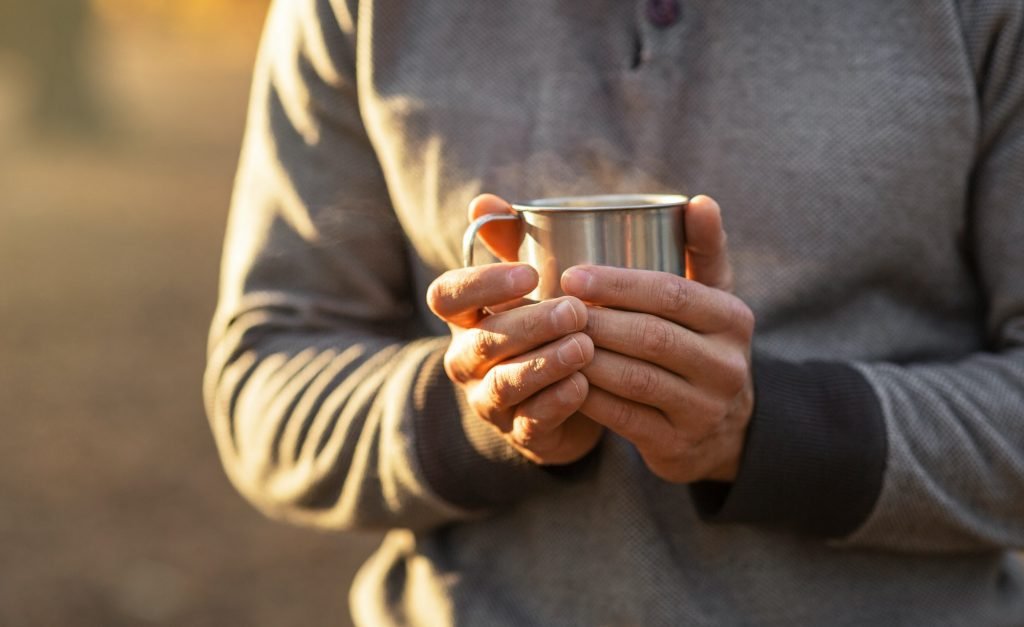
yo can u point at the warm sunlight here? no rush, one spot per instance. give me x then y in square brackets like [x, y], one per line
[750, 351]
[197, 16]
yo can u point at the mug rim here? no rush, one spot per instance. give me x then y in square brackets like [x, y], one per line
[602, 202]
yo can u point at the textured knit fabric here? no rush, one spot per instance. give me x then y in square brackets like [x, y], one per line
[816, 426]
[869, 159]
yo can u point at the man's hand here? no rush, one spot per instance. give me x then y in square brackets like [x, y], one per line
[520, 368]
[671, 369]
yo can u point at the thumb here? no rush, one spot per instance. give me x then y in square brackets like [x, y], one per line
[707, 257]
[501, 238]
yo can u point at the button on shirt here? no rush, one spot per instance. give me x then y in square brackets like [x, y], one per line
[663, 13]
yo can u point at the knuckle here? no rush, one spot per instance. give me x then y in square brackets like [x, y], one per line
[623, 417]
[530, 324]
[736, 374]
[482, 345]
[541, 372]
[532, 371]
[480, 402]
[742, 318]
[528, 433]
[516, 380]
[654, 337]
[620, 282]
[446, 291]
[538, 435]
[672, 295]
[497, 389]
[719, 419]
[640, 382]
[728, 371]
[454, 373]
[707, 415]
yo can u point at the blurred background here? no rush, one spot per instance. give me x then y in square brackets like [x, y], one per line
[120, 126]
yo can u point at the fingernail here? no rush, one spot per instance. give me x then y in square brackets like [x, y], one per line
[571, 394]
[521, 278]
[576, 281]
[570, 352]
[564, 317]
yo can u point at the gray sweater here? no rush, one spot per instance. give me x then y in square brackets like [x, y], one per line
[869, 159]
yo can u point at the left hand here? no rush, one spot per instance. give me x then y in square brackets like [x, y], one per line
[671, 368]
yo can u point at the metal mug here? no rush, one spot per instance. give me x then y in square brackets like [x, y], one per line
[643, 231]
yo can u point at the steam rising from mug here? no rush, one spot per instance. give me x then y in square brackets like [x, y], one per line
[643, 231]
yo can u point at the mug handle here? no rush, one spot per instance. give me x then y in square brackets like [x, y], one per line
[474, 227]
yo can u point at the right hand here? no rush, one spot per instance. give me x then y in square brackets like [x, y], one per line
[518, 368]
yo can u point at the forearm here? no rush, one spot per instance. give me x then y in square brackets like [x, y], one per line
[925, 458]
[814, 456]
[349, 428]
[955, 473]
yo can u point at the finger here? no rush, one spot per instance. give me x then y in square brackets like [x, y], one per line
[576, 437]
[655, 340]
[667, 296]
[707, 256]
[512, 304]
[505, 335]
[688, 408]
[457, 296]
[513, 381]
[639, 381]
[501, 238]
[641, 424]
[539, 418]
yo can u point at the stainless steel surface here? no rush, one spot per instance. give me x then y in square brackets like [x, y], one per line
[643, 231]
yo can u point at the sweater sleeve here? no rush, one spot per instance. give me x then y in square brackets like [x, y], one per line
[919, 457]
[328, 404]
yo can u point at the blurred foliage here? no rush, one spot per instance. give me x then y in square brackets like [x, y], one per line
[62, 48]
[51, 37]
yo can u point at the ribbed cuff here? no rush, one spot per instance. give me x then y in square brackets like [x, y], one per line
[814, 457]
[464, 459]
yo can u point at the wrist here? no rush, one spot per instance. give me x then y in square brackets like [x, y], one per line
[732, 439]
